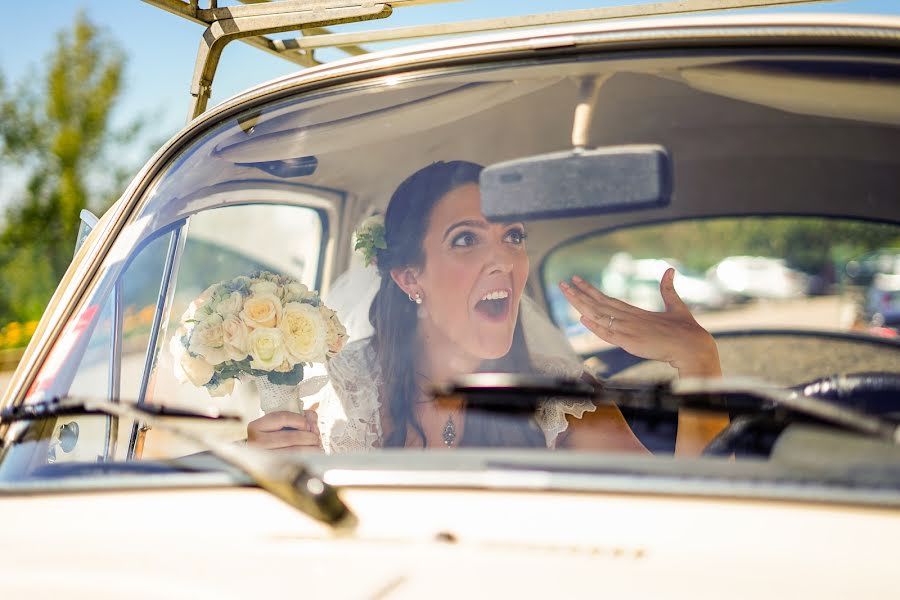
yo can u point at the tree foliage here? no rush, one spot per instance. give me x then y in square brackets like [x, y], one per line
[56, 128]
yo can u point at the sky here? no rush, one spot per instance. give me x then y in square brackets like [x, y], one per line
[161, 49]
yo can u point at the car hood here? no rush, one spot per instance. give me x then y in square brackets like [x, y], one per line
[234, 542]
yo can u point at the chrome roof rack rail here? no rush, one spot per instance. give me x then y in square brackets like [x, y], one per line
[255, 20]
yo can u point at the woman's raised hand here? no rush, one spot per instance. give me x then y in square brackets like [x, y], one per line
[671, 336]
[283, 430]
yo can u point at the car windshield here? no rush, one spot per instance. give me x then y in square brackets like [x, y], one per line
[320, 264]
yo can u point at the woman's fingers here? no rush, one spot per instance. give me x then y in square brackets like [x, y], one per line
[602, 299]
[287, 438]
[282, 419]
[312, 420]
[283, 429]
[587, 306]
[606, 331]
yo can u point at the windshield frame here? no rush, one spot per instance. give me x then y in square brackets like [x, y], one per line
[68, 299]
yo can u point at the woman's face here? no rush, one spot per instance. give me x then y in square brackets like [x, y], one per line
[473, 275]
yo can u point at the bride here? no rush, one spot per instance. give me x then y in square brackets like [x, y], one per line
[450, 301]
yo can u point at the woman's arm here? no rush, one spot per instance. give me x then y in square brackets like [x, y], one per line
[604, 429]
[672, 336]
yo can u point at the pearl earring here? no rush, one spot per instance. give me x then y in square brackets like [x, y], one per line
[417, 298]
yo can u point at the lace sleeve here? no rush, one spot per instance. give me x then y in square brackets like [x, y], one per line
[349, 405]
[552, 415]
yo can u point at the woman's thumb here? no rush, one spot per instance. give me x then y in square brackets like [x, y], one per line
[670, 297]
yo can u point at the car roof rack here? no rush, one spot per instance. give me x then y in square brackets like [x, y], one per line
[254, 21]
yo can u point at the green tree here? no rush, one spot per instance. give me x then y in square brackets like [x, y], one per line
[56, 128]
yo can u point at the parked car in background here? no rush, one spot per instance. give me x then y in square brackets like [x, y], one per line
[883, 301]
[636, 281]
[684, 138]
[863, 269]
[760, 277]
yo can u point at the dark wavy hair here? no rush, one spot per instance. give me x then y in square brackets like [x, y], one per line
[395, 318]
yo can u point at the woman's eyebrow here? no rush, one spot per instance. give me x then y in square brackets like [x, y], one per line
[466, 223]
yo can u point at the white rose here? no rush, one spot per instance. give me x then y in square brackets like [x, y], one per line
[223, 388]
[203, 312]
[176, 346]
[305, 333]
[297, 292]
[336, 333]
[260, 287]
[235, 338]
[261, 310]
[207, 340]
[230, 304]
[267, 351]
[194, 369]
[191, 311]
[209, 292]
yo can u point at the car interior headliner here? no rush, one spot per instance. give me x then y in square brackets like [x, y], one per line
[748, 133]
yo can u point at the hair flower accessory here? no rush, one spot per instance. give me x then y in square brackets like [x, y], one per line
[370, 238]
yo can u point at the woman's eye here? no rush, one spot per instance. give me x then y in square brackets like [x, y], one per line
[464, 239]
[516, 236]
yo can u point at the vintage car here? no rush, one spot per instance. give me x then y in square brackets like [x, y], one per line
[691, 139]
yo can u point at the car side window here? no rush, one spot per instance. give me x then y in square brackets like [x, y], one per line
[221, 244]
[104, 356]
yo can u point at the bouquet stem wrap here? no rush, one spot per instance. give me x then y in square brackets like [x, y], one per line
[275, 397]
[278, 396]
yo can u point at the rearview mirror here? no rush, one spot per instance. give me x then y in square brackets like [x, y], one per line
[577, 182]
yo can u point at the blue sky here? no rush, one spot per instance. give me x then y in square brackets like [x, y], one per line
[161, 48]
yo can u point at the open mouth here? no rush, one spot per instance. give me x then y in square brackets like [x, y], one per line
[494, 306]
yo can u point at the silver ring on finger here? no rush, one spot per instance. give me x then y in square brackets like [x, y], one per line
[610, 324]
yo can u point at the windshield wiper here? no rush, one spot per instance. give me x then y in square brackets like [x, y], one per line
[288, 480]
[60, 407]
[509, 392]
[794, 400]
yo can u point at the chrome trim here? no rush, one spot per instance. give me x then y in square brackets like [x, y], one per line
[871, 31]
[115, 375]
[537, 480]
[150, 356]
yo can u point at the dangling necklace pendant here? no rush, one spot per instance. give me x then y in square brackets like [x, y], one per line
[449, 432]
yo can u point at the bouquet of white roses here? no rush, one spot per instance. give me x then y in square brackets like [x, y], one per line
[262, 325]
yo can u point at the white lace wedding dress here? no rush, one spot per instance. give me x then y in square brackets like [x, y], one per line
[349, 406]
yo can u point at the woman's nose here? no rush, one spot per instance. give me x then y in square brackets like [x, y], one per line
[500, 267]
[500, 259]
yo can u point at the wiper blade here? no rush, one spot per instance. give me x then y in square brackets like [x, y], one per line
[791, 399]
[58, 407]
[509, 392]
[290, 481]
